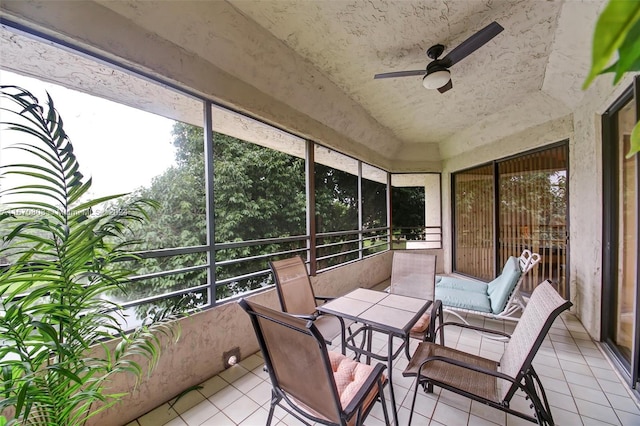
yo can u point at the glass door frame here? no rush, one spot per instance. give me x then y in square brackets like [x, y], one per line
[610, 197]
[497, 263]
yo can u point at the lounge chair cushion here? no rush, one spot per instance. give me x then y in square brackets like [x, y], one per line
[500, 288]
[462, 284]
[463, 299]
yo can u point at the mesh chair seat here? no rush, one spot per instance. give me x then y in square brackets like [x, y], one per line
[479, 384]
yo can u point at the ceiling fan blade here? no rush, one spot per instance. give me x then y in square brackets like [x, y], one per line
[446, 87]
[400, 74]
[472, 44]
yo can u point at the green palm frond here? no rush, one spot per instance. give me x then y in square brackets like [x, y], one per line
[68, 254]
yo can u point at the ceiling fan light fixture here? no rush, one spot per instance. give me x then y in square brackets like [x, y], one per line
[436, 79]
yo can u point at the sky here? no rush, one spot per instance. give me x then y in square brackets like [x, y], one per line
[121, 148]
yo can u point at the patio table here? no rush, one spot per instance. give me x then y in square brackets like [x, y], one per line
[391, 314]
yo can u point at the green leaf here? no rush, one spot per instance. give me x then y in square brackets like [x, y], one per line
[629, 52]
[617, 19]
[635, 141]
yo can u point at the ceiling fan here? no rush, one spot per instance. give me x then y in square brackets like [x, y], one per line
[437, 74]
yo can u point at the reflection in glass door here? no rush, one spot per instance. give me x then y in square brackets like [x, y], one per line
[620, 316]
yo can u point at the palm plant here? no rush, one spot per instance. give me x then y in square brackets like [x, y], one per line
[65, 255]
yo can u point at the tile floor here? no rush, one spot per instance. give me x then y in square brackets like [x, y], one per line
[582, 387]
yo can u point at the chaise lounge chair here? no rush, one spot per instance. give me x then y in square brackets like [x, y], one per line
[499, 299]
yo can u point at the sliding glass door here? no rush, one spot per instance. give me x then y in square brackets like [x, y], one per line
[510, 205]
[620, 278]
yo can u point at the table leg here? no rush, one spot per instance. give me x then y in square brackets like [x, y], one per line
[394, 409]
[369, 334]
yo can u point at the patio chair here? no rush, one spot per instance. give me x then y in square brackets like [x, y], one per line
[499, 299]
[297, 297]
[490, 382]
[413, 274]
[308, 381]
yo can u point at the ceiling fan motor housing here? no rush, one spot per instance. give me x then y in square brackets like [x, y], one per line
[435, 51]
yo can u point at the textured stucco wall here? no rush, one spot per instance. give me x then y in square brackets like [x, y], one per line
[585, 201]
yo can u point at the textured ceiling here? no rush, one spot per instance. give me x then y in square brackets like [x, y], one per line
[350, 41]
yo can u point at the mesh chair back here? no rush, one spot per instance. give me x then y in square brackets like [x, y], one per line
[543, 308]
[297, 359]
[413, 274]
[293, 286]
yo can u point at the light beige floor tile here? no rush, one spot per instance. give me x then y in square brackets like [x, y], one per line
[247, 382]
[187, 401]
[581, 379]
[176, 422]
[517, 421]
[488, 413]
[219, 420]
[261, 393]
[588, 421]
[454, 400]
[628, 419]
[546, 360]
[259, 417]
[450, 416]
[559, 385]
[560, 400]
[232, 374]
[425, 405]
[565, 418]
[260, 372]
[596, 411]
[479, 421]
[378, 413]
[252, 361]
[597, 362]
[240, 409]
[200, 413]
[592, 352]
[226, 396]
[159, 416]
[575, 367]
[212, 386]
[615, 388]
[623, 403]
[588, 394]
[545, 371]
